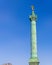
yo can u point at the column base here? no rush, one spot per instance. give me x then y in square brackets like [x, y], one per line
[34, 61]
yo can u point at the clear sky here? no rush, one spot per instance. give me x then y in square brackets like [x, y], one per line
[15, 31]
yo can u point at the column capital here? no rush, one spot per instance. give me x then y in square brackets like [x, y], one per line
[33, 17]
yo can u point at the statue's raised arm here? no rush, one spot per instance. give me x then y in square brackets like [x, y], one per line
[32, 7]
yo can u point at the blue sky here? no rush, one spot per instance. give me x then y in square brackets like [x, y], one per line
[15, 31]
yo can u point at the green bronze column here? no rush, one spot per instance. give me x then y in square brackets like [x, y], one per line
[34, 57]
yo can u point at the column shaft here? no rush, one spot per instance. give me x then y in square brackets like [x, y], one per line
[33, 40]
